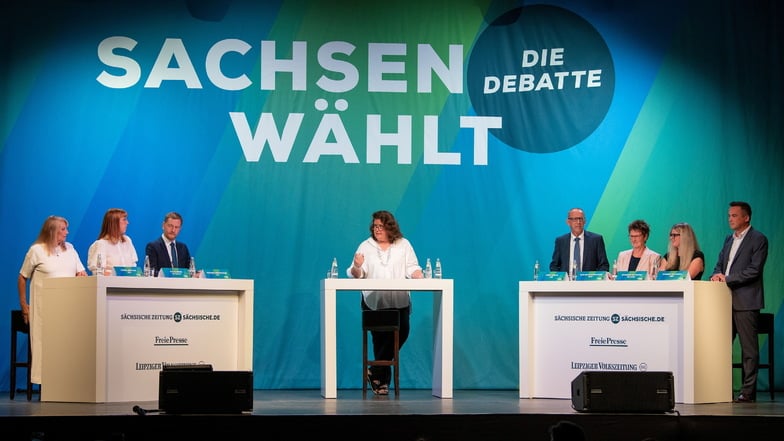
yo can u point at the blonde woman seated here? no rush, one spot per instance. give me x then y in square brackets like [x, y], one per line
[683, 242]
[640, 257]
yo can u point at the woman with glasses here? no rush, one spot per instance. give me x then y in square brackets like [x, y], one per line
[685, 250]
[640, 257]
[386, 254]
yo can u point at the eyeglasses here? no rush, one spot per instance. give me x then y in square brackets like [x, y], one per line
[674, 234]
[576, 219]
[634, 236]
[378, 227]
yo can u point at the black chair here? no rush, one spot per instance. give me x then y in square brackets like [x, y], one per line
[380, 320]
[18, 326]
[766, 328]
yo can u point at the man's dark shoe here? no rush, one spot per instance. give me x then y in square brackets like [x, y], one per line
[744, 399]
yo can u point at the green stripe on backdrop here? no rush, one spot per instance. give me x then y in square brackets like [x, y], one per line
[702, 140]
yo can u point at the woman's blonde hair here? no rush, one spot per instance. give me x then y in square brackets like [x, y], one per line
[680, 258]
[48, 234]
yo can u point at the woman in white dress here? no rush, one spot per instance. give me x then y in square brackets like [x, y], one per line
[49, 256]
[113, 245]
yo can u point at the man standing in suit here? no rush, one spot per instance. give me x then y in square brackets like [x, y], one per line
[740, 265]
[592, 254]
[166, 251]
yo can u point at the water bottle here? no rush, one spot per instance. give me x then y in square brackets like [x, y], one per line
[536, 270]
[654, 270]
[428, 269]
[573, 271]
[333, 271]
[99, 265]
[437, 272]
[615, 269]
[147, 272]
[192, 268]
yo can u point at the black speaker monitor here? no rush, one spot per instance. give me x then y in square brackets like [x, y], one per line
[188, 390]
[605, 391]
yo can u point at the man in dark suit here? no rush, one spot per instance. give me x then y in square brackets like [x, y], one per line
[740, 265]
[594, 254]
[166, 251]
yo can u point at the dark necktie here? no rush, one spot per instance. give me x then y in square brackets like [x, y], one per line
[173, 255]
[577, 254]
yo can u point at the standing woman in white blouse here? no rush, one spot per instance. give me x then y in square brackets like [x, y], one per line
[385, 254]
[114, 246]
[49, 256]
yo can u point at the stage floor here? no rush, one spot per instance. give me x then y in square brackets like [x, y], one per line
[350, 402]
[415, 415]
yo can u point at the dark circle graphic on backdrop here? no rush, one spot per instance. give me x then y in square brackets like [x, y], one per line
[547, 72]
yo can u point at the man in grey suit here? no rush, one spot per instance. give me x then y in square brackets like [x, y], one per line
[740, 265]
[591, 245]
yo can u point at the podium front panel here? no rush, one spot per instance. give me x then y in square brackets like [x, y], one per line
[105, 339]
[603, 333]
[147, 332]
[678, 326]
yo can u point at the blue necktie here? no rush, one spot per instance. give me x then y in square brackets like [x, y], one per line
[173, 255]
[577, 253]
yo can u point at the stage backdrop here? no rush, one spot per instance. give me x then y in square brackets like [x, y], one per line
[277, 128]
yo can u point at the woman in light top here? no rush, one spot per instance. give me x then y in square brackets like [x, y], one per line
[49, 256]
[685, 250]
[386, 254]
[640, 257]
[113, 245]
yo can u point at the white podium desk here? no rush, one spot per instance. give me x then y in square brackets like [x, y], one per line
[106, 339]
[680, 326]
[442, 328]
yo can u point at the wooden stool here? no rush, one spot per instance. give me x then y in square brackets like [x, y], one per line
[766, 327]
[380, 320]
[18, 325]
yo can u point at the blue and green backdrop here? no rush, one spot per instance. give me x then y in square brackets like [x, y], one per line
[276, 128]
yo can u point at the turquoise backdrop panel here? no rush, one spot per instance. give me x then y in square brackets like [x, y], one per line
[277, 128]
